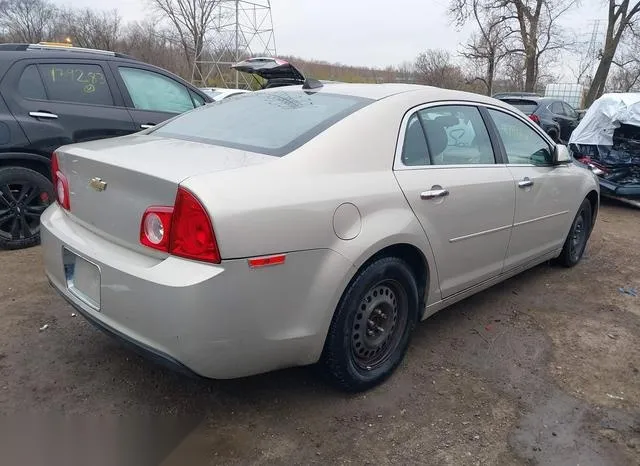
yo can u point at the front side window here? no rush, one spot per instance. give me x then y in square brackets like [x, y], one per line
[155, 92]
[569, 110]
[30, 85]
[456, 135]
[78, 83]
[272, 123]
[522, 144]
[197, 100]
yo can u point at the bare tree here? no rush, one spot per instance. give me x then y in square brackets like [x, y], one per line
[92, 29]
[28, 21]
[435, 68]
[192, 21]
[621, 17]
[488, 47]
[532, 27]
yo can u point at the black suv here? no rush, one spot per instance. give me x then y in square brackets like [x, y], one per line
[556, 117]
[54, 95]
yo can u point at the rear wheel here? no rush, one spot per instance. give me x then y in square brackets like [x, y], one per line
[24, 195]
[576, 241]
[370, 331]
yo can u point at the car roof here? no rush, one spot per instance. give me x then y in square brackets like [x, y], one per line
[381, 91]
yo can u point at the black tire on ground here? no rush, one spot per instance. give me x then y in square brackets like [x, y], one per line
[24, 195]
[372, 325]
[578, 236]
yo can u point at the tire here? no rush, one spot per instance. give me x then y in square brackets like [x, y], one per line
[24, 195]
[578, 236]
[372, 326]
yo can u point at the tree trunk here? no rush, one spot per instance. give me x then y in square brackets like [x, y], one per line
[600, 79]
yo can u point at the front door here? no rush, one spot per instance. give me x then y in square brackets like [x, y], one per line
[64, 102]
[545, 194]
[463, 199]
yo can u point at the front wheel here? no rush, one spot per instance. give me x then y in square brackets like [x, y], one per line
[576, 241]
[371, 328]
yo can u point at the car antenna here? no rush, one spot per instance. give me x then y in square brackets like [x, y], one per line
[310, 83]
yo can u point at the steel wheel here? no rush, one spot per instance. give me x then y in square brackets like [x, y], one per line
[378, 324]
[578, 237]
[21, 204]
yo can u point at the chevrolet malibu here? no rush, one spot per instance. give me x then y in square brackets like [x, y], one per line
[308, 224]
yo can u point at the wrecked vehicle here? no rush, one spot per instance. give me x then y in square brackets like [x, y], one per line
[608, 141]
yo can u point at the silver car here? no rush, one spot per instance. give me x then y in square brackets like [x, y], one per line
[308, 224]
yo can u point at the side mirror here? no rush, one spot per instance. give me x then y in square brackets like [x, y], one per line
[561, 155]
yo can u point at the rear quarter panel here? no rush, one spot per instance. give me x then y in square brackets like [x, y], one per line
[289, 205]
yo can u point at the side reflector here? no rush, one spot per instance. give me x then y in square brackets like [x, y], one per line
[257, 262]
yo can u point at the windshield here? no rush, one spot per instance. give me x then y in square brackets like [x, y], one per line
[272, 123]
[525, 106]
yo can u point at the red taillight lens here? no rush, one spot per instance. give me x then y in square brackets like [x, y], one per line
[535, 118]
[155, 229]
[183, 230]
[191, 230]
[60, 183]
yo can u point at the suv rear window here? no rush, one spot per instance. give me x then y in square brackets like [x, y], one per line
[525, 106]
[272, 123]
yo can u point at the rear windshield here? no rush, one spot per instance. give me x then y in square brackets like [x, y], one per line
[272, 123]
[525, 106]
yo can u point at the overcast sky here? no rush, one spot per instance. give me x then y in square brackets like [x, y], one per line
[362, 32]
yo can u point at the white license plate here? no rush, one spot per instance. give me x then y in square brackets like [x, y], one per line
[83, 279]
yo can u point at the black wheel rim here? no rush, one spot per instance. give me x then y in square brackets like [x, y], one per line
[379, 324]
[21, 204]
[578, 237]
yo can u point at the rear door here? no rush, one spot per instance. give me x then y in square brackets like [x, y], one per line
[463, 198]
[545, 194]
[58, 102]
[563, 119]
[152, 96]
[572, 119]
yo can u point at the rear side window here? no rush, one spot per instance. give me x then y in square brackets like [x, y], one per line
[414, 149]
[272, 123]
[30, 85]
[527, 107]
[556, 108]
[155, 92]
[78, 83]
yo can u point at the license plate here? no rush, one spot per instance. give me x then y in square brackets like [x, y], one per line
[83, 278]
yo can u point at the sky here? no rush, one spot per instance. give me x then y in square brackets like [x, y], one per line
[374, 33]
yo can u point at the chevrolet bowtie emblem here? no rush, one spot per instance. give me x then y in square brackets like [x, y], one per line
[97, 184]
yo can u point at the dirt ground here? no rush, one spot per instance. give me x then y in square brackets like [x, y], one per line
[542, 369]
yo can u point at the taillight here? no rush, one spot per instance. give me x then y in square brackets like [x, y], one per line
[535, 118]
[60, 183]
[183, 230]
[156, 227]
[191, 231]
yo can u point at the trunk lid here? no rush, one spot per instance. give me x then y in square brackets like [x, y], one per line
[275, 71]
[113, 181]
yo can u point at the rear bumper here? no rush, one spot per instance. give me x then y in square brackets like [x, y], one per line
[218, 321]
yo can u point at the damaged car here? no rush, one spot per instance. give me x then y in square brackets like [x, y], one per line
[608, 141]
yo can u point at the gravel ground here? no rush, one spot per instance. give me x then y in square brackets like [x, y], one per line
[542, 369]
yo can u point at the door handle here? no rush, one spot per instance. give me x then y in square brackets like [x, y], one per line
[525, 183]
[51, 116]
[147, 126]
[434, 193]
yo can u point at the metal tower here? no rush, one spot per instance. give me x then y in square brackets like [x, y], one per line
[244, 28]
